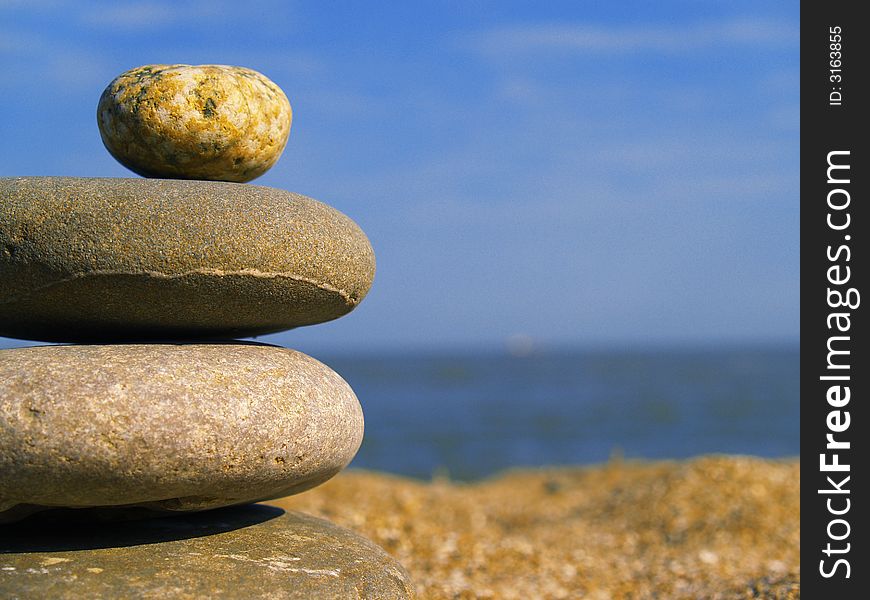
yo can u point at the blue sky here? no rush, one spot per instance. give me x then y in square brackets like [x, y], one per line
[583, 173]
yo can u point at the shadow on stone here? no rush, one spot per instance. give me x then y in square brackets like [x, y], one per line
[51, 531]
[280, 555]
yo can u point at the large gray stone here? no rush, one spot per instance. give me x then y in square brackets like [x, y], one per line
[167, 427]
[145, 259]
[252, 552]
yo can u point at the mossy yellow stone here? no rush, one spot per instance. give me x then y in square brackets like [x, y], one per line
[212, 122]
[108, 260]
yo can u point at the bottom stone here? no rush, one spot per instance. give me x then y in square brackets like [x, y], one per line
[253, 551]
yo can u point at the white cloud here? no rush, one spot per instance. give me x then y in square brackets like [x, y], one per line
[78, 70]
[140, 15]
[582, 38]
[160, 14]
[20, 42]
[32, 5]
[31, 60]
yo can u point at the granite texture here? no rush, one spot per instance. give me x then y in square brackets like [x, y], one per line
[167, 427]
[143, 259]
[252, 552]
[194, 122]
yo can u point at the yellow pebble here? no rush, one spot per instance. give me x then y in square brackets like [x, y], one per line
[211, 122]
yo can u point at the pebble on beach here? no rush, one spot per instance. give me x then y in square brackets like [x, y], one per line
[107, 260]
[211, 122]
[251, 552]
[172, 427]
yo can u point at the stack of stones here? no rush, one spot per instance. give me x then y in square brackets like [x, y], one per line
[153, 410]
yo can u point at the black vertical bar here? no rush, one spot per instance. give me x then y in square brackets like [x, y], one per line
[835, 223]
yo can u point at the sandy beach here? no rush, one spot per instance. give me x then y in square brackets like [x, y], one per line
[713, 527]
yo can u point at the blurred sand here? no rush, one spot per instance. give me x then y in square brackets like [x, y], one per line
[713, 527]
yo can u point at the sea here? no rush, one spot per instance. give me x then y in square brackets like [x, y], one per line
[471, 415]
[468, 416]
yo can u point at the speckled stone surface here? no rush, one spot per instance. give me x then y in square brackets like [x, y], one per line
[168, 427]
[252, 552]
[713, 527]
[134, 259]
[194, 122]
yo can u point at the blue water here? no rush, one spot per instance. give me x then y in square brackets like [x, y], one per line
[474, 415]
